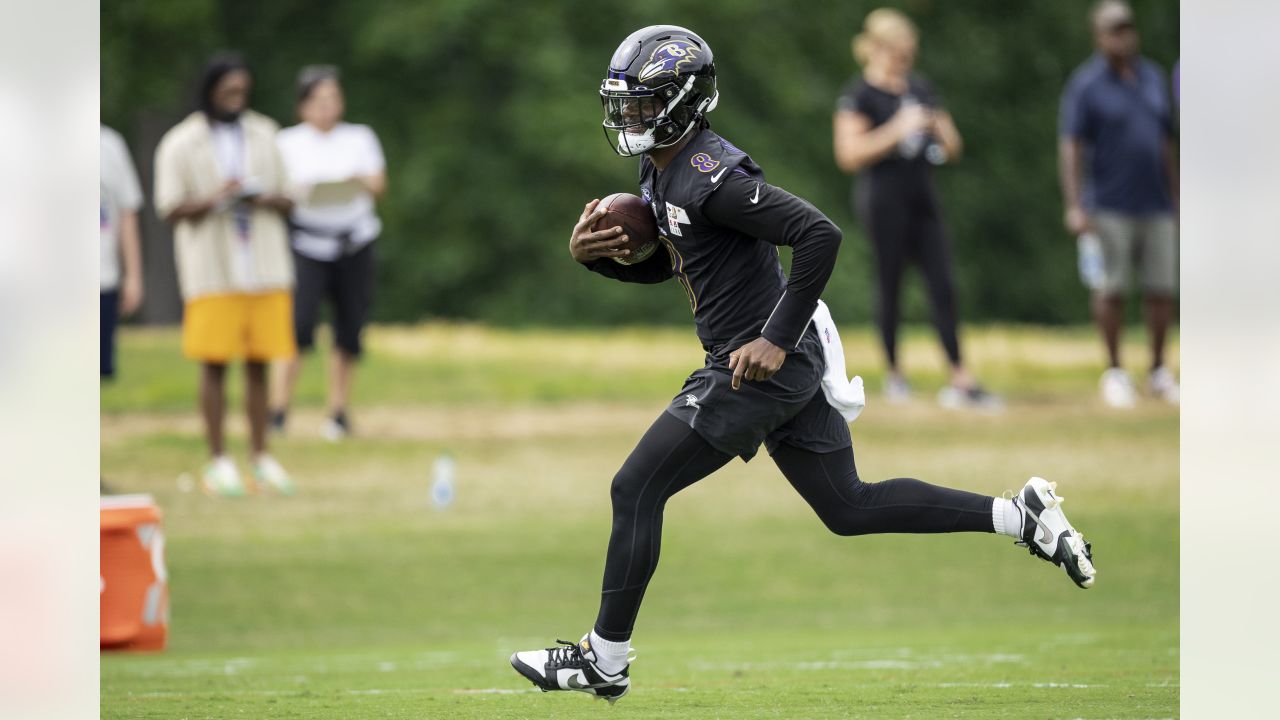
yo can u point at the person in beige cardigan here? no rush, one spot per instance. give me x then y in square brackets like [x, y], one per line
[220, 182]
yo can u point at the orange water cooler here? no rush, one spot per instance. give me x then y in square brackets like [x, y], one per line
[134, 588]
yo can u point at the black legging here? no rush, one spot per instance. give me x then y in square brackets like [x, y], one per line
[671, 456]
[905, 226]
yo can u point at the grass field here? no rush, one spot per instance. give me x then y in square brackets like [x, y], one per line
[357, 599]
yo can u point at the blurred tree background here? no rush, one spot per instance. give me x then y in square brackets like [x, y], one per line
[489, 118]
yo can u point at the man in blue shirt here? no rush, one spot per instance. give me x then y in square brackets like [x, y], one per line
[1119, 177]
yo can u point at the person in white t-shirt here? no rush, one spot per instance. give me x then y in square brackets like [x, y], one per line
[120, 287]
[338, 172]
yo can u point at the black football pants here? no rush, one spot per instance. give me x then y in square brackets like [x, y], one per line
[672, 456]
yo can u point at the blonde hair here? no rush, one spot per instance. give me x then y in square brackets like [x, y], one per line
[883, 25]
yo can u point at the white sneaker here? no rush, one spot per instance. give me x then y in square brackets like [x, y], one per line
[268, 473]
[1048, 535]
[972, 398]
[572, 667]
[222, 478]
[336, 428]
[1117, 388]
[1164, 385]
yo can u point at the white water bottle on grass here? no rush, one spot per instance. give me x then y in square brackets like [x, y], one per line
[442, 474]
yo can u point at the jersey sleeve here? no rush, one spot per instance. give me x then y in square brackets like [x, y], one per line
[1073, 118]
[170, 187]
[850, 99]
[654, 269]
[749, 205]
[130, 189]
[372, 161]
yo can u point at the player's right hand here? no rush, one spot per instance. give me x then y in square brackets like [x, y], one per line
[586, 246]
[1076, 220]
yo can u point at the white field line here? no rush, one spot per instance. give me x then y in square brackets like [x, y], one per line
[522, 691]
[903, 662]
[332, 664]
[302, 691]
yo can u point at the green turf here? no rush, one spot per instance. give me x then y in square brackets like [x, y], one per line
[356, 599]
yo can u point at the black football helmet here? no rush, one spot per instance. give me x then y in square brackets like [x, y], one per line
[661, 83]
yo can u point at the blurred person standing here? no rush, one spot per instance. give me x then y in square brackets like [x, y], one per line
[339, 172]
[220, 182]
[1119, 175]
[120, 280]
[890, 127]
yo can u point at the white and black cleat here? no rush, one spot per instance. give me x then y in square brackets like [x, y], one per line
[1048, 535]
[571, 667]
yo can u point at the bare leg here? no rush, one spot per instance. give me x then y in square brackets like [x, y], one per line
[1108, 311]
[1159, 313]
[213, 404]
[341, 373]
[284, 377]
[255, 403]
[961, 378]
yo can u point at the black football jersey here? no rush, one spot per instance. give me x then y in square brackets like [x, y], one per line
[721, 223]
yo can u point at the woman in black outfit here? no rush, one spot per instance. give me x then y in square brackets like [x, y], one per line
[890, 126]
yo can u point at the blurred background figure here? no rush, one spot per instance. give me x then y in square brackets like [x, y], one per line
[1119, 176]
[891, 129]
[338, 171]
[220, 182]
[120, 283]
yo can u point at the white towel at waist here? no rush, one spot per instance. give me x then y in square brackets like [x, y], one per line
[845, 395]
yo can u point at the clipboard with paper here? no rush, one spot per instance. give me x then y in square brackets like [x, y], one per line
[338, 192]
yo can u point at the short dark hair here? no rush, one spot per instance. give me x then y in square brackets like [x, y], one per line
[312, 75]
[215, 69]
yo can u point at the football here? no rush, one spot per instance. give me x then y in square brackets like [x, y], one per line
[637, 222]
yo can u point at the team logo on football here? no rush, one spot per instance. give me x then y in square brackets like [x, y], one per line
[704, 163]
[668, 59]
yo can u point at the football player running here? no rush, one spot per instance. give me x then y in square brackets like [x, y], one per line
[721, 222]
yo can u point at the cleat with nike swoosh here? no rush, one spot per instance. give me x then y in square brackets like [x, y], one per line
[571, 667]
[1048, 535]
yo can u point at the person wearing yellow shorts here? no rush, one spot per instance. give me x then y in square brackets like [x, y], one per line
[220, 181]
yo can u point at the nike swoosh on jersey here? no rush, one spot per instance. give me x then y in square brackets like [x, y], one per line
[716, 178]
[755, 199]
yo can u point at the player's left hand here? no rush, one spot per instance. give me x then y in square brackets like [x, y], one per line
[757, 360]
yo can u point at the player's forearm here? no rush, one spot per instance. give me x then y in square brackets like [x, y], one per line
[812, 261]
[857, 151]
[190, 210]
[655, 269]
[130, 245]
[376, 184]
[1171, 170]
[282, 204]
[1069, 171]
[948, 136]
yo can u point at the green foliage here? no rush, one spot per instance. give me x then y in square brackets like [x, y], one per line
[488, 115]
